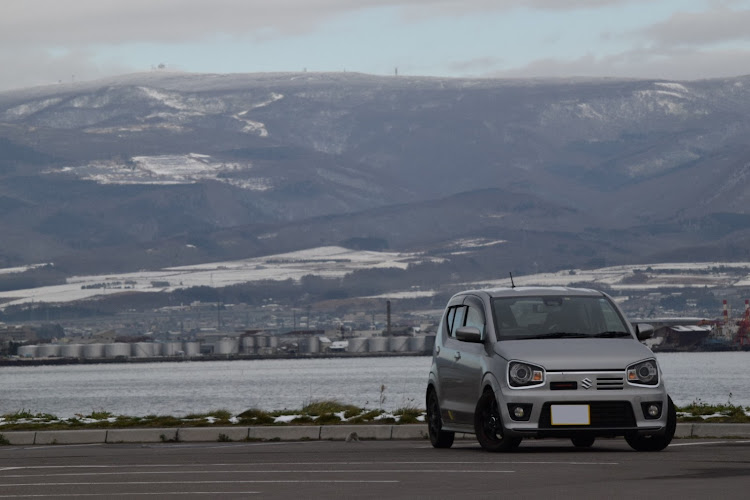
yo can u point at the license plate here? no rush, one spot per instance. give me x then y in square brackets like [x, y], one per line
[570, 415]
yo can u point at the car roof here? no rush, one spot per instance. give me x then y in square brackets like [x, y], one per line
[532, 291]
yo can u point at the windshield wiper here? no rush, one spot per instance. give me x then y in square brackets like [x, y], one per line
[560, 335]
[609, 335]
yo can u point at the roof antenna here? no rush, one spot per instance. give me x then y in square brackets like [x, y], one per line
[512, 285]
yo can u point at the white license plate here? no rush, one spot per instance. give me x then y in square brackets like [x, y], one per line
[570, 415]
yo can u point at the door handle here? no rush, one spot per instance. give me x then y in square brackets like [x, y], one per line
[457, 356]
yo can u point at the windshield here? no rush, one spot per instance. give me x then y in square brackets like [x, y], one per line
[557, 317]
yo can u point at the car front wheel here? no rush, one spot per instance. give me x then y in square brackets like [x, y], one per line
[488, 426]
[656, 443]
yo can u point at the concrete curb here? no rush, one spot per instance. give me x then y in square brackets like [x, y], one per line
[292, 433]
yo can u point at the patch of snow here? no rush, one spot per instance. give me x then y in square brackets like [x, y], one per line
[285, 419]
[327, 262]
[673, 85]
[172, 100]
[22, 269]
[167, 170]
[29, 108]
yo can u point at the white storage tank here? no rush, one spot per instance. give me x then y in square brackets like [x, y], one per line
[398, 344]
[71, 350]
[377, 344]
[27, 351]
[48, 351]
[417, 344]
[273, 341]
[248, 344]
[226, 346]
[357, 344]
[117, 350]
[143, 350]
[311, 345]
[261, 341]
[429, 342]
[191, 349]
[93, 351]
[171, 349]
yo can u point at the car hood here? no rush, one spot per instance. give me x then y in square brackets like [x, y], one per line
[575, 354]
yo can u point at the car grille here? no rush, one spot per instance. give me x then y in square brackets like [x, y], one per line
[604, 414]
[609, 383]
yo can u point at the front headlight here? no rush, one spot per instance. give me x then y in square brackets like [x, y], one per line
[524, 374]
[643, 373]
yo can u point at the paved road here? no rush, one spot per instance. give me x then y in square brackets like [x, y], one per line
[704, 469]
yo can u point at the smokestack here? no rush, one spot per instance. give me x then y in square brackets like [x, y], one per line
[388, 316]
[725, 313]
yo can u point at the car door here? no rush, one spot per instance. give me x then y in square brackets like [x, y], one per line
[469, 365]
[445, 360]
[462, 364]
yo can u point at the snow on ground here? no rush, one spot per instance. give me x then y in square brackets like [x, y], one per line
[327, 262]
[21, 269]
[169, 169]
[336, 262]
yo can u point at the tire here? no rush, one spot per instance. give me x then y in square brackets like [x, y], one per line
[488, 426]
[438, 437]
[583, 441]
[659, 442]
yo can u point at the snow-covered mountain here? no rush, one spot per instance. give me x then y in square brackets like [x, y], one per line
[126, 173]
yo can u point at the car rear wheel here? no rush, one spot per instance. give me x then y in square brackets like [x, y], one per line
[438, 437]
[488, 426]
[656, 443]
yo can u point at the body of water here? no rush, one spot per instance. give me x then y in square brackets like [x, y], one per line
[179, 389]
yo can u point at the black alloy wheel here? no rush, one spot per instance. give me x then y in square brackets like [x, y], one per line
[659, 442]
[438, 437]
[488, 426]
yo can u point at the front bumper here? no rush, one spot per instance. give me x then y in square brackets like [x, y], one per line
[622, 410]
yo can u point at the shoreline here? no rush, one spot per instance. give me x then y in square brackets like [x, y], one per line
[209, 357]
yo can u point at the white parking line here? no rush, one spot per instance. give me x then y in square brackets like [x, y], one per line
[246, 481]
[161, 493]
[264, 471]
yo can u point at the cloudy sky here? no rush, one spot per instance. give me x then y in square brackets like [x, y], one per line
[50, 41]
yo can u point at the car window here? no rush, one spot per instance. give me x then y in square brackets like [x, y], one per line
[475, 317]
[458, 319]
[563, 316]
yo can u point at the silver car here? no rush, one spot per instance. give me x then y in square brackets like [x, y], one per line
[512, 363]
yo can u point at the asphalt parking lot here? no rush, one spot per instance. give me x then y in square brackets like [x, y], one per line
[689, 468]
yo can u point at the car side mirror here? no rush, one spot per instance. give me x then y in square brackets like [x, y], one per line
[469, 334]
[643, 331]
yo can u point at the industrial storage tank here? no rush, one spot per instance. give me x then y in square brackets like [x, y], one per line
[429, 341]
[171, 349]
[191, 349]
[93, 351]
[143, 350]
[357, 344]
[377, 344]
[311, 345]
[226, 346]
[261, 341]
[117, 350]
[48, 351]
[71, 350]
[417, 344]
[27, 351]
[398, 344]
[248, 344]
[273, 341]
